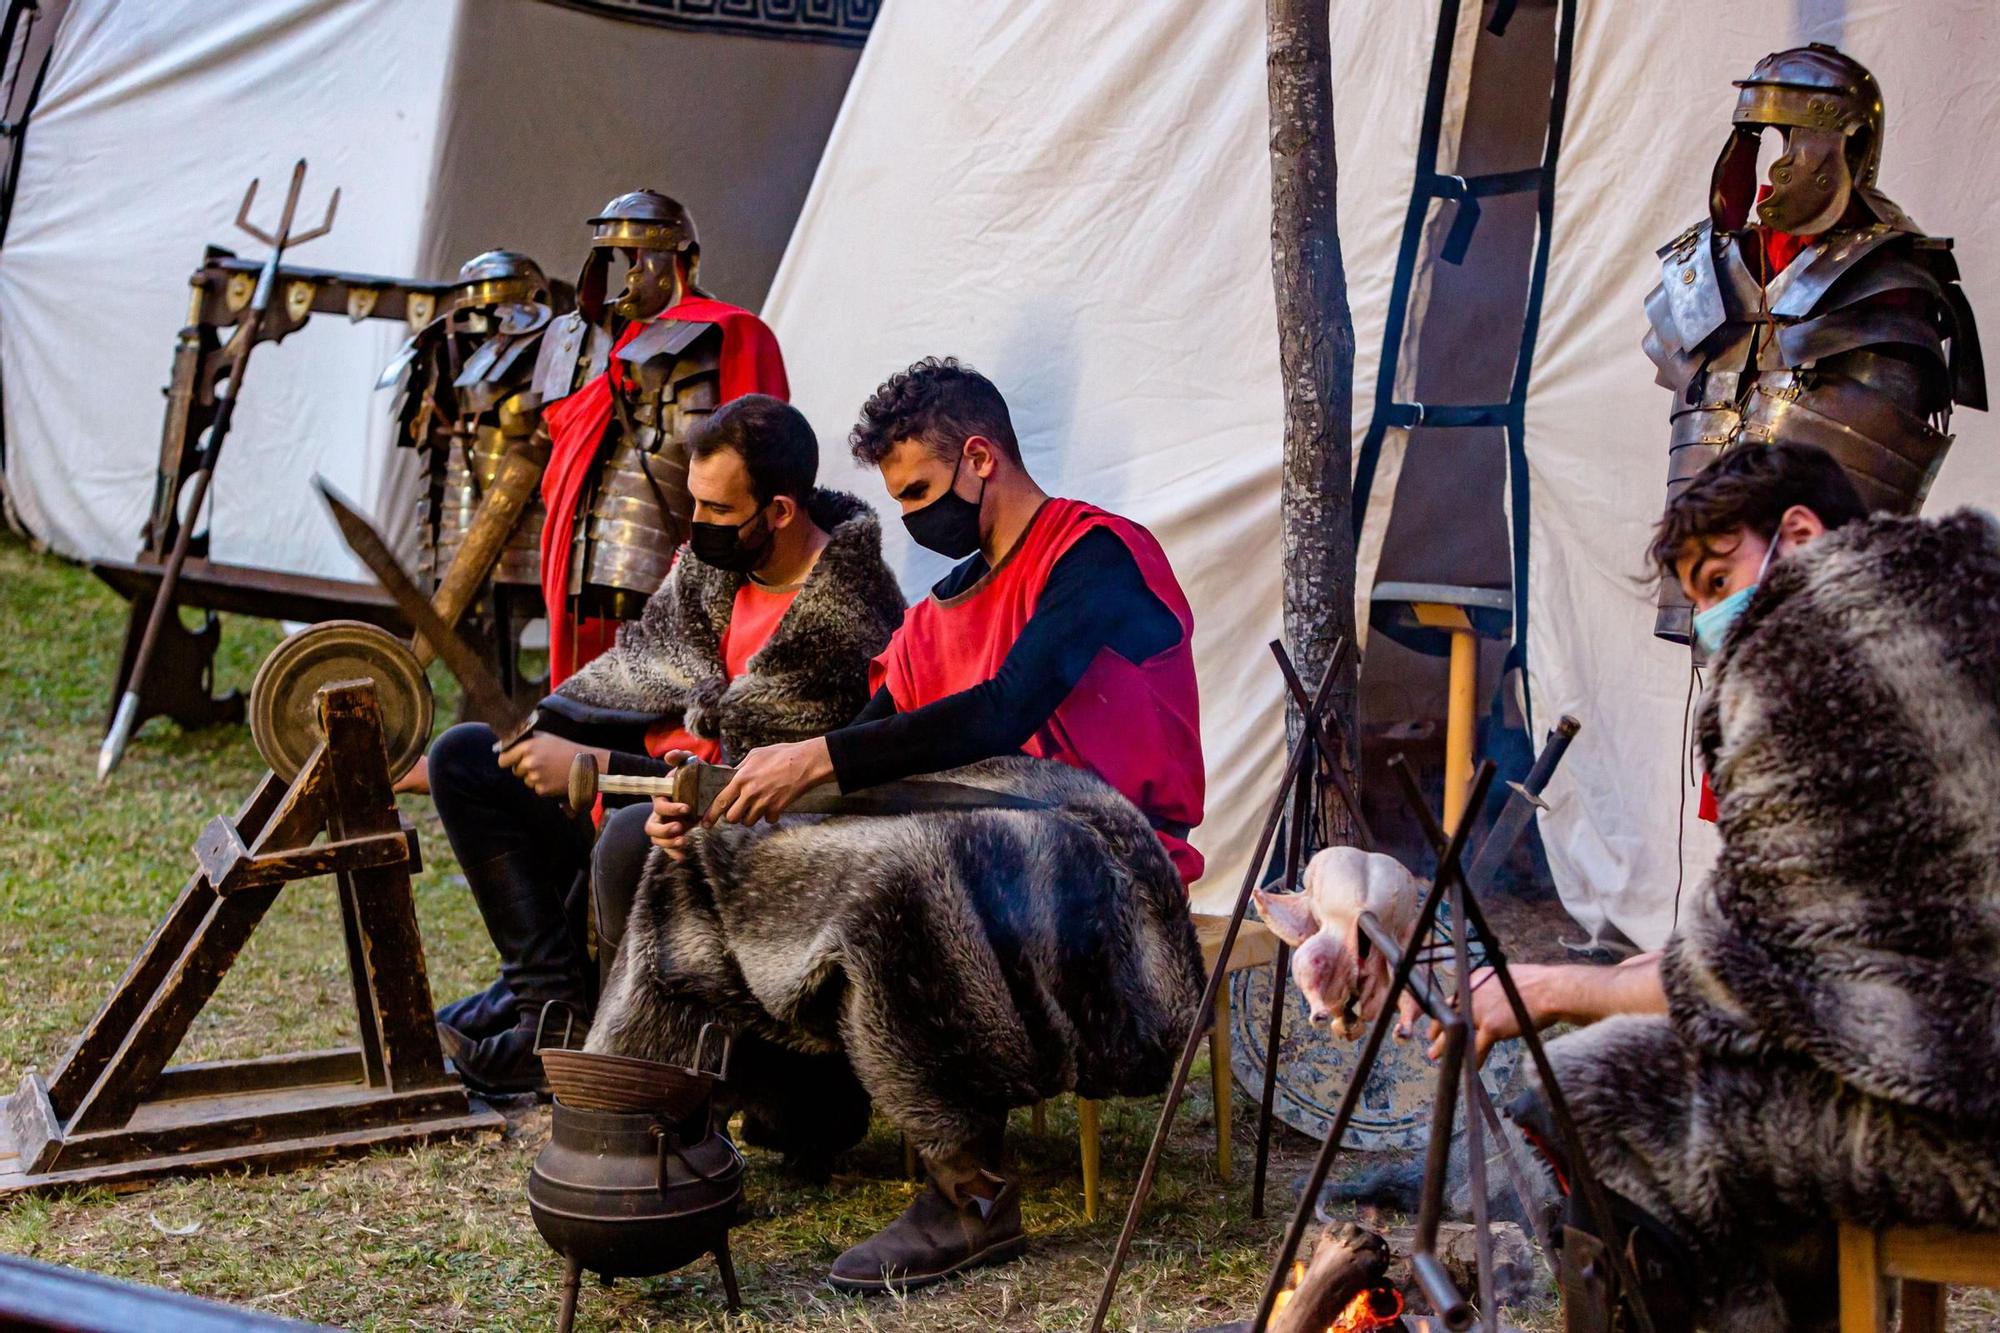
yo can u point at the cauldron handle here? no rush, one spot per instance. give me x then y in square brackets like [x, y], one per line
[669, 1143]
[721, 1072]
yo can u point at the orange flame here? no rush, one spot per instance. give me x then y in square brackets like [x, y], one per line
[1377, 1307]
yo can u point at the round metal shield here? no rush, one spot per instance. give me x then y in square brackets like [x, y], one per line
[1313, 1070]
[284, 721]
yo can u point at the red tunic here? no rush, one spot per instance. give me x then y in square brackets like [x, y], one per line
[750, 363]
[1136, 725]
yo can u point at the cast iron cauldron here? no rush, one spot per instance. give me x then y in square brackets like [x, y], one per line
[634, 1193]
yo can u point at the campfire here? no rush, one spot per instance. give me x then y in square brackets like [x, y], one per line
[1379, 1306]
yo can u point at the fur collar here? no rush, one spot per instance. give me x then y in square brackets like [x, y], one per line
[810, 677]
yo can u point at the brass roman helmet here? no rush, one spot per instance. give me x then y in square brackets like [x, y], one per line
[1829, 109]
[641, 221]
[499, 277]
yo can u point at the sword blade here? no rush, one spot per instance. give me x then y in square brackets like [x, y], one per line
[698, 784]
[482, 688]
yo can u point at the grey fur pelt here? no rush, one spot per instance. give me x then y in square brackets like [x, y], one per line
[1833, 1046]
[965, 962]
[811, 677]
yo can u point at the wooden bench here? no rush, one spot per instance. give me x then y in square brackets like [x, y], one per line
[1924, 1260]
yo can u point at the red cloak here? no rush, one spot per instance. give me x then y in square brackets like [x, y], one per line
[750, 363]
[1136, 725]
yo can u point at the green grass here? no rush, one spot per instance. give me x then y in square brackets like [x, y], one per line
[438, 1237]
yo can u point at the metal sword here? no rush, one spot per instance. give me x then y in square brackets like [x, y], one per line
[696, 785]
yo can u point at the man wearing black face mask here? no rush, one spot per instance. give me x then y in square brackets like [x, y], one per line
[761, 634]
[1063, 634]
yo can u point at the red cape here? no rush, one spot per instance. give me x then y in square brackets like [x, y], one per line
[750, 363]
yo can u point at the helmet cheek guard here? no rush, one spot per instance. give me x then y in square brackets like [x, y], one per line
[1810, 183]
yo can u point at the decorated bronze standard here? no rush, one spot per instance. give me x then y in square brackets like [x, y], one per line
[464, 400]
[633, 513]
[1828, 318]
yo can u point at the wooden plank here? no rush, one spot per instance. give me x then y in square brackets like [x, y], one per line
[392, 985]
[88, 1056]
[273, 1155]
[367, 852]
[29, 1123]
[268, 593]
[1923, 1307]
[293, 1070]
[153, 1040]
[1256, 946]
[204, 1124]
[1935, 1254]
[1864, 1296]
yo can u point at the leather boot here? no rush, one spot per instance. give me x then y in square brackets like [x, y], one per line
[481, 1014]
[539, 965]
[938, 1235]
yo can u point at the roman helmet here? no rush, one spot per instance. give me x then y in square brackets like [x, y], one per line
[497, 278]
[1828, 107]
[655, 228]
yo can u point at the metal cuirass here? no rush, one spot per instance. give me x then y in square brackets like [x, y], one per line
[635, 512]
[464, 402]
[1861, 345]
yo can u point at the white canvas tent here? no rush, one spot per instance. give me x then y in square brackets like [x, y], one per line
[1082, 209]
[1073, 197]
[451, 127]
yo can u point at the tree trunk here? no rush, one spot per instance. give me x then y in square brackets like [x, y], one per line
[1316, 350]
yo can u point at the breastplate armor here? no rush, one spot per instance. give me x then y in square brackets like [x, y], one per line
[636, 509]
[463, 404]
[1861, 345]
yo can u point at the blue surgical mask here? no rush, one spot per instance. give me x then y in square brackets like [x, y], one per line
[1711, 627]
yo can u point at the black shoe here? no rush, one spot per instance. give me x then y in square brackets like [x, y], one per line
[504, 1064]
[539, 966]
[482, 1014]
[933, 1239]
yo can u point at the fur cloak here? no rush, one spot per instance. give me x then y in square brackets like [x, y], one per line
[810, 677]
[965, 962]
[1833, 1045]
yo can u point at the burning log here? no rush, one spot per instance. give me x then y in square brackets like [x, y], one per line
[1336, 1285]
[1341, 1291]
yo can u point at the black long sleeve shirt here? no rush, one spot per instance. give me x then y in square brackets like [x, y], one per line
[1095, 598]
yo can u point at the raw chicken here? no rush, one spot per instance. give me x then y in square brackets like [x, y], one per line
[1321, 923]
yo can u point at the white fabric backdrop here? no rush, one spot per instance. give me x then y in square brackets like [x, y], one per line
[1076, 199]
[153, 119]
[1649, 109]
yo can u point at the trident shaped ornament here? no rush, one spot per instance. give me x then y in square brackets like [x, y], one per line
[126, 719]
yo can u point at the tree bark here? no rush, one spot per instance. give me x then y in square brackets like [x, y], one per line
[1316, 351]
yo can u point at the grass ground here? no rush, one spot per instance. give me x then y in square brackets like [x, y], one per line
[438, 1237]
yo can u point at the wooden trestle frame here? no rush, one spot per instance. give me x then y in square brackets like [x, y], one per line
[113, 1112]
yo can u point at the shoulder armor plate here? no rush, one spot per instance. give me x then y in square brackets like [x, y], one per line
[555, 364]
[666, 337]
[1806, 279]
[1694, 293]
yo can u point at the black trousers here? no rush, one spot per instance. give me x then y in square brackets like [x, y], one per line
[488, 813]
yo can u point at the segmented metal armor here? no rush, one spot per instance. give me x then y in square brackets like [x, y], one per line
[636, 512]
[465, 400]
[1861, 344]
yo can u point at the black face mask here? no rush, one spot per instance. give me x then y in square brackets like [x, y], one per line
[722, 545]
[949, 524]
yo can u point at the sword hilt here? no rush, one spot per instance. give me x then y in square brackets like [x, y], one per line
[586, 783]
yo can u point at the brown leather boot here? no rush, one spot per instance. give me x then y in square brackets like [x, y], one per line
[935, 1238]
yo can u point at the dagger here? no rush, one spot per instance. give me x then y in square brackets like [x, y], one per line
[696, 785]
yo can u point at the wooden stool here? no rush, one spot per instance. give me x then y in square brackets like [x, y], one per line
[1924, 1260]
[1256, 946]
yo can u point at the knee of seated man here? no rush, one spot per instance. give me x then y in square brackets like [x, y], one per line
[462, 761]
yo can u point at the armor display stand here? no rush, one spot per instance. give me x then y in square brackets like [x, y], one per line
[112, 1111]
